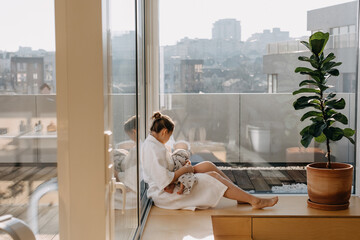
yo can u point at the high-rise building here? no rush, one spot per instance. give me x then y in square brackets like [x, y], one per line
[226, 29]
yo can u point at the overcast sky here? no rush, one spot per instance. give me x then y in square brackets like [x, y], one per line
[31, 22]
[194, 18]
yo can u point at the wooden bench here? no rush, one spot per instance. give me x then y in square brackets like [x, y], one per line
[289, 219]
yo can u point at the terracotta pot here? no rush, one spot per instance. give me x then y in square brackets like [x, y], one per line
[329, 186]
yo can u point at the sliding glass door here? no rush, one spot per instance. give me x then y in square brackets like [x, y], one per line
[125, 116]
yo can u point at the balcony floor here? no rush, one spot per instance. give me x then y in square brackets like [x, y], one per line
[268, 179]
[16, 186]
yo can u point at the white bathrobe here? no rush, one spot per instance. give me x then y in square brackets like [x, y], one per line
[158, 173]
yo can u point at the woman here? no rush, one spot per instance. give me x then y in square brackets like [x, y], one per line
[212, 183]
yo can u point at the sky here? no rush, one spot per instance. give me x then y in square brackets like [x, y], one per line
[30, 23]
[27, 23]
[194, 18]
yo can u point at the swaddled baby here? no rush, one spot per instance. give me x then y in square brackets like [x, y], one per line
[187, 180]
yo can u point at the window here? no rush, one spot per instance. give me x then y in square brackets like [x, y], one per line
[28, 145]
[225, 111]
[272, 83]
[334, 31]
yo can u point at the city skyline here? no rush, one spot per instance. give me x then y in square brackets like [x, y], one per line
[178, 19]
[194, 19]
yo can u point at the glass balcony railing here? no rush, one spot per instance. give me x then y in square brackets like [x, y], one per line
[336, 41]
[254, 138]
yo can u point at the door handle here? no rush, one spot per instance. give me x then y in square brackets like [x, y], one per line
[119, 185]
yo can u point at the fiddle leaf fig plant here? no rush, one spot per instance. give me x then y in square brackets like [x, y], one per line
[324, 114]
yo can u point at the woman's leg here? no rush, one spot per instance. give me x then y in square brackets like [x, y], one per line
[207, 166]
[236, 193]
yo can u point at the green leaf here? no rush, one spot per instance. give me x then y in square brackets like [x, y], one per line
[350, 139]
[306, 140]
[321, 138]
[321, 56]
[333, 72]
[304, 130]
[316, 103]
[317, 128]
[336, 104]
[330, 121]
[307, 90]
[317, 119]
[348, 132]
[323, 87]
[304, 102]
[331, 95]
[307, 82]
[317, 42]
[303, 69]
[329, 112]
[340, 118]
[334, 133]
[330, 65]
[305, 136]
[303, 58]
[311, 114]
[316, 75]
[328, 58]
[306, 44]
[312, 61]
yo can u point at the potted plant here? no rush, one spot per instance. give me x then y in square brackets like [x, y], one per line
[329, 184]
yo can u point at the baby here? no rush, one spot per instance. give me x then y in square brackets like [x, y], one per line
[186, 181]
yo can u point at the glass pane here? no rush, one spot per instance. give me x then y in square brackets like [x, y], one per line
[144, 201]
[28, 127]
[237, 111]
[123, 98]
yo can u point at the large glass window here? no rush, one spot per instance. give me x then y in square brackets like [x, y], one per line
[128, 121]
[227, 74]
[28, 127]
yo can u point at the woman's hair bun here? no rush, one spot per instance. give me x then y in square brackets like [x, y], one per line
[156, 115]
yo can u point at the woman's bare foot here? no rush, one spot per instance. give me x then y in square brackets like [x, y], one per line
[169, 188]
[181, 190]
[264, 202]
[240, 202]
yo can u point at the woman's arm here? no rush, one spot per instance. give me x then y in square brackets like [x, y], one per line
[181, 171]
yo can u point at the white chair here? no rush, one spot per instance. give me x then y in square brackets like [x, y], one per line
[16, 228]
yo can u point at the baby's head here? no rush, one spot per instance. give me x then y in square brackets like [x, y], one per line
[182, 145]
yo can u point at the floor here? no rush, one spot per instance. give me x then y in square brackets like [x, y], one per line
[18, 183]
[191, 225]
[16, 186]
[262, 179]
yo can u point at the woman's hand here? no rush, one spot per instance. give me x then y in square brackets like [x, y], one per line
[189, 168]
[184, 169]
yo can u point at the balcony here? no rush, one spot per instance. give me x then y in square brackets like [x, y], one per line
[335, 42]
[256, 134]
